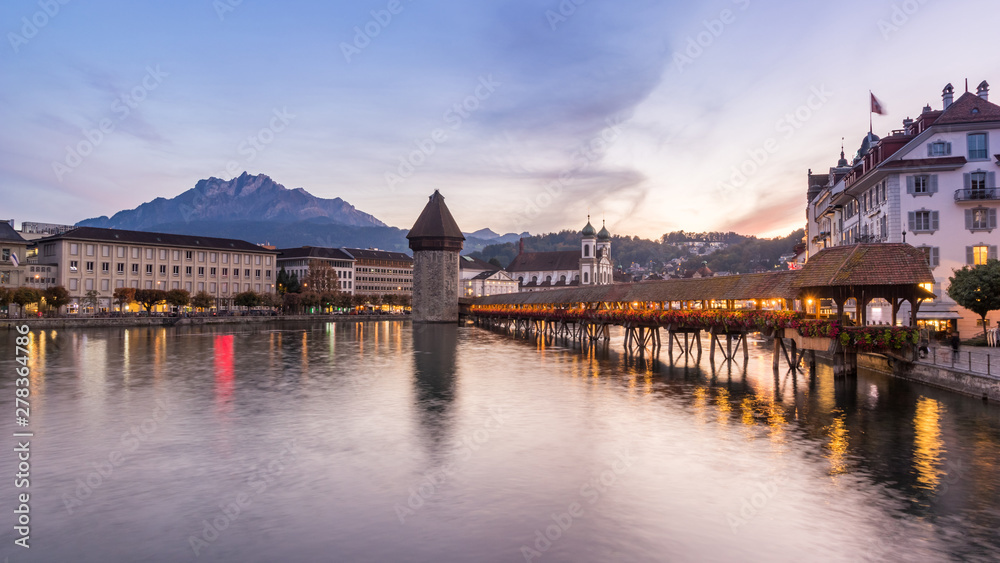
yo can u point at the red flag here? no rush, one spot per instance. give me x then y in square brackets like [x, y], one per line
[877, 105]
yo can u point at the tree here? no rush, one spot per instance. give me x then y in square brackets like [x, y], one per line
[496, 262]
[57, 297]
[91, 299]
[291, 302]
[202, 300]
[123, 296]
[25, 296]
[358, 300]
[6, 297]
[328, 299]
[309, 299]
[178, 297]
[271, 300]
[293, 284]
[343, 300]
[150, 298]
[246, 299]
[321, 277]
[977, 288]
[282, 281]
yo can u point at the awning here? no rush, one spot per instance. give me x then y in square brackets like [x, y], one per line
[937, 315]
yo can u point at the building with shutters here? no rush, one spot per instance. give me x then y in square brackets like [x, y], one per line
[298, 261]
[931, 184]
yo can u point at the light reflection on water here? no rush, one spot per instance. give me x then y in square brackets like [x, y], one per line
[381, 442]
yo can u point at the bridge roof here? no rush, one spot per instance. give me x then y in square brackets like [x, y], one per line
[878, 264]
[772, 285]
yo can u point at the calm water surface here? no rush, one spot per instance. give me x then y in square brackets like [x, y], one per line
[380, 442]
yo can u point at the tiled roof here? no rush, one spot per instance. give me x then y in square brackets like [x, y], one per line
[370, 254]
[314, 252]
[471, 263]
[969, 108]
[772, 285]
[8, 233]
[435, 221]
[542, 261]
[155, 239]
[952, 161]
[865, 264]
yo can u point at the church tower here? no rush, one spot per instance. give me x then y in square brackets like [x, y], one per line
[604, 269]
[436, 241]
[588, 254]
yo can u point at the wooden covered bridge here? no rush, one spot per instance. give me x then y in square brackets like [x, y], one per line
[779, 304]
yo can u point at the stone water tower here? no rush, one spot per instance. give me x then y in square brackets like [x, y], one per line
[436, 241]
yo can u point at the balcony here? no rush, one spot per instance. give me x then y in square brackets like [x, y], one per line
[978, 194]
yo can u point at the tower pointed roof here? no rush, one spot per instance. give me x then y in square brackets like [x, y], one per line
[588, 230]
[435, 228]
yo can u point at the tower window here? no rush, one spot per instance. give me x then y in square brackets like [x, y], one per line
[586, 250]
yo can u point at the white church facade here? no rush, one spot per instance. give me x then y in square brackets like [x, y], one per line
[591, 265]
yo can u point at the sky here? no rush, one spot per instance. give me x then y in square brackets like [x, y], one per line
[527, 115]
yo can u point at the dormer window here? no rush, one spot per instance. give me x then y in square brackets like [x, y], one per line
[939, 148]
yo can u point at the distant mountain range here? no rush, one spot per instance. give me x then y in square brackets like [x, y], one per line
[259, 210]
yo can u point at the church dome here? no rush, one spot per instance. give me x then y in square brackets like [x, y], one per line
[604, 234]
[589, 230]
[867, 143]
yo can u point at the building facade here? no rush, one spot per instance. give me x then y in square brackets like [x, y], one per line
[591, 265]
[297, 261]
[931, 184]
[379, 272]
[101, 260]
[478, 278]
[13, 257]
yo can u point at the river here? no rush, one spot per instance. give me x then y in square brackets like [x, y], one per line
[385, 442]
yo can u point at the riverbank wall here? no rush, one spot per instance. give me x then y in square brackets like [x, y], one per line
[944, 377]
[43, 323]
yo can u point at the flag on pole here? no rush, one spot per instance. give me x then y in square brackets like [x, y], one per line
[13, 258]
[877, 106]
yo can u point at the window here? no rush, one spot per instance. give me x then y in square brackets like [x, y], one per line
[88, 284]
[924, 184]
[187, 270]
[149, 254]
[74, 248]
[149, 284]
[225, 258]
[939, 148]
[90, 266]
[74, 284]
[256, 260]
[201, 286]
[586, 250]
[977, 146]
[211, 257]
[980, 219]
[120, 267]
[73, 265]
[175, 285]
[176, 254]
[50, 249]
[187, 286]
[163, 270]
[104, 285]
[246, 273]
[257, 273]
[177, 270]
[225, 272]
[267, 274]
[135, 268]
[119, 283]
[212, 271]
[163, 254]
[188, 255]
[201, 270]
[923, 221]
[267, 261]
[236, 272]
[201, 256]
[236, 258]
[120, 250]
[105, 250]
[89, 249]
[933, 255]
[135, 252]
[979, 254]
[149, 269]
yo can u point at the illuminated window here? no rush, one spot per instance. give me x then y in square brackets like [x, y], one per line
[977, 255]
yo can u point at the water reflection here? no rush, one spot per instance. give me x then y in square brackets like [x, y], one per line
[434, 350]
[927, 445]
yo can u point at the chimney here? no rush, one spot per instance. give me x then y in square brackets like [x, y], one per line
[907, 125]
[948, 95]
[520, 246]
[983, 91]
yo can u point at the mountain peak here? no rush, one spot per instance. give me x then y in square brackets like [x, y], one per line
[246, 197]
